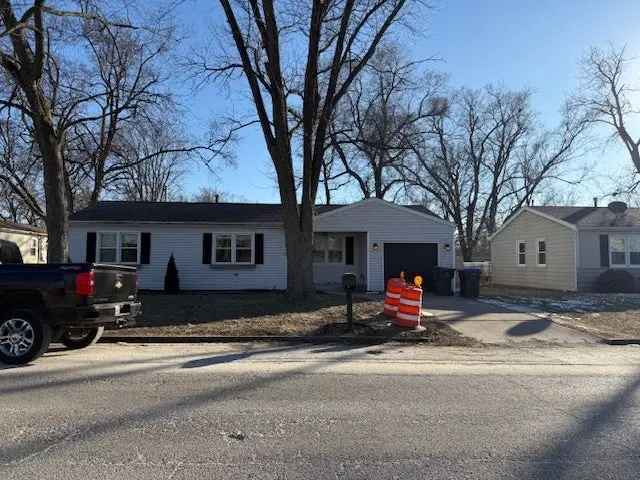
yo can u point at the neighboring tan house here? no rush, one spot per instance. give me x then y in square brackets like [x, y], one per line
[240, 246]
[32, 241]
[566, 248]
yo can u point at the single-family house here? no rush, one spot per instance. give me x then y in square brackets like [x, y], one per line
[566, 248]
[32, 241]
[241, 246]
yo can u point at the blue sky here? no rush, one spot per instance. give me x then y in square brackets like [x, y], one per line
[521, 44]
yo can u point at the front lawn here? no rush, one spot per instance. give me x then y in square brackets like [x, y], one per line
[608, 315]
[270, 313]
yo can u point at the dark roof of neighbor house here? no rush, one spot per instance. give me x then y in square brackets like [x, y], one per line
[593, 216]
[22, 227]
[195, 212]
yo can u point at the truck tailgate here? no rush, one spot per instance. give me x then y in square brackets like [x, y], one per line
[114, 283]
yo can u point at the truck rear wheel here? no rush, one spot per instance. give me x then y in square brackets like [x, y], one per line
[77, 338]
[24, 336]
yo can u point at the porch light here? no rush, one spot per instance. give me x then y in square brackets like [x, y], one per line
[447, 247]
[375, 247]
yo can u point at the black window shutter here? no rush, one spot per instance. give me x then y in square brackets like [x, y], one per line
[145, 251]
[259, 248]
[604, 250]
[206, 248]
[349, 250]
[90, 256]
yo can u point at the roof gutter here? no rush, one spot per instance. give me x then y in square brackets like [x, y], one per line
[154, 222]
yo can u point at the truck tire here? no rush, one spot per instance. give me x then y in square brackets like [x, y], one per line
[24, 336]
[77, 338]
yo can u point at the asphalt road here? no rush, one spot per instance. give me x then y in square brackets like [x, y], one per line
[256, 411]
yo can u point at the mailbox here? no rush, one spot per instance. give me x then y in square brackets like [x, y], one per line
[349, 281]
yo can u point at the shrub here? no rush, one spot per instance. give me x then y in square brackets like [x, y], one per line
[171, 278]
[616, 281]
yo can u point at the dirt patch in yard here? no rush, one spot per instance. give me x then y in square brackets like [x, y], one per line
[607, 315]
[266, 314]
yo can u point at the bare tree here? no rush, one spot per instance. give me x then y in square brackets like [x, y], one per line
[608, 94]
[74, 105]
[20, 173]
[23, 57]
[335, 40]
[333, 178]
[375, 124]
[123, 85]
[486, 158]
[157, 177]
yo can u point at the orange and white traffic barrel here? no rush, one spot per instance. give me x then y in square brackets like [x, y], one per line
[409, 307]
[392, 296]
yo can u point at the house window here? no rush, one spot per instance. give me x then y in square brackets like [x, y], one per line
[129, 247]
[224, 248]
[319, 247]
[108, 247]
[243, 248]
[33, 247]
[542, 253]
[624, 250]
[334, 249]
[522, 253]
[328, 248]
[118, 247]
[634, 250]
[233, 248]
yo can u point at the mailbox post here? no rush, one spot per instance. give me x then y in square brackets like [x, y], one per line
[349, 281]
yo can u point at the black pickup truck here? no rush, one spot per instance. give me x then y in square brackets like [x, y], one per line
[70, 303]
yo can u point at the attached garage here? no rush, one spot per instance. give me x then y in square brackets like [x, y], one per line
[395, 238]
[411, 258]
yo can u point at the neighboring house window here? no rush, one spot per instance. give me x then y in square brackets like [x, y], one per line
[43, 249]
[625, 250]
[522, 253]
[328, 248]
[33, 249]
[233, 248]
[542, 253]
[118, 247]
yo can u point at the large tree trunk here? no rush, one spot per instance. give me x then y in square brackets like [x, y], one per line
[299, 242]
[57, 219]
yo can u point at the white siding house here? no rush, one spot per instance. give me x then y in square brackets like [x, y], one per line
[184, 241]
[221, 246]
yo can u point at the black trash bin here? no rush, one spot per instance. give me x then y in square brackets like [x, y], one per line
[443, 279]
[470, 282]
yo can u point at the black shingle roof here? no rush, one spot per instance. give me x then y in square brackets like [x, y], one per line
[593, 216]
[193, 212]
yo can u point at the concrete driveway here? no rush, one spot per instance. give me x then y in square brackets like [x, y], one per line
[495, 324]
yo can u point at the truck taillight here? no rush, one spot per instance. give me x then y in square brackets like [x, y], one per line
[86, 284]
